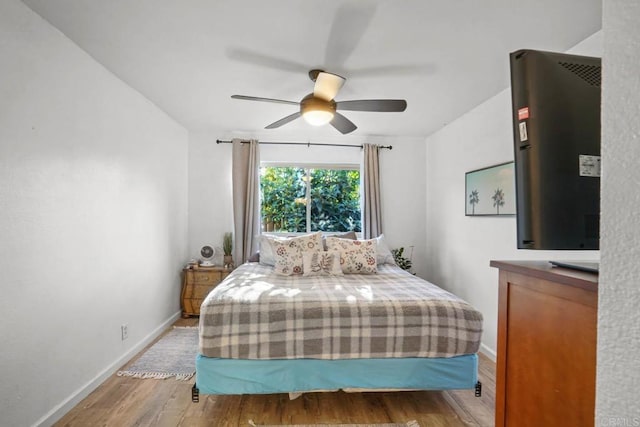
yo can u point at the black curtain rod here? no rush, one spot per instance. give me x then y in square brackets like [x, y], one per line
[308, 144]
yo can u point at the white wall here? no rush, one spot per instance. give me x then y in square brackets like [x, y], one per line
[459, 248]
[93, 219]
[618, 373]
[402, 172]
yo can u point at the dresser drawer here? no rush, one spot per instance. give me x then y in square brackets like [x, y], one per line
[207, 277]
[199, 291]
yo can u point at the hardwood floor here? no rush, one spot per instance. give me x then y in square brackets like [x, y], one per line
[122, 401]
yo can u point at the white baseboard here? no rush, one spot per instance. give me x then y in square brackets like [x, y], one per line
[60, 410]
[489, 352]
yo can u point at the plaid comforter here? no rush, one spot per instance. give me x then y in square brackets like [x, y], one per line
[257, 314]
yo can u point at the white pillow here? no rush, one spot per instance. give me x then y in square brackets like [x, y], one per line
[321, 264]
[266, 253]
[356, 256]
[383, 253]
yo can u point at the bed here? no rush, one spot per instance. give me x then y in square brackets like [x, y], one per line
[261, 332]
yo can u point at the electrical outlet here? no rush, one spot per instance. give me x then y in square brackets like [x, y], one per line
[124, 329]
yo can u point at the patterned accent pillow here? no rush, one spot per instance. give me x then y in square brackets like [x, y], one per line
[288, 252]
[356, 256]
[348, 235]
[321, 264]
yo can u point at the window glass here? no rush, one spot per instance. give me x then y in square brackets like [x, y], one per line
[303, 199]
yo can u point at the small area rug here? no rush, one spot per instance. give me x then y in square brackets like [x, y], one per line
[174, 355]
[408, 424]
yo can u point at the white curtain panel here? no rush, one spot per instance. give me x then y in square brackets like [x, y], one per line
[372, 210]
[246, 198]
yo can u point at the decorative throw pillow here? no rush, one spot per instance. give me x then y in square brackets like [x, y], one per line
[383, 254]
[356, 256]
[348, 235]
[321, 264]
[287, 253]
[264, 248]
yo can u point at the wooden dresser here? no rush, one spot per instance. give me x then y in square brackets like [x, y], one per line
[546, 367]
[196, 284]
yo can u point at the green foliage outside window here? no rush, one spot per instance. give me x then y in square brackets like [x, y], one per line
[333, 199]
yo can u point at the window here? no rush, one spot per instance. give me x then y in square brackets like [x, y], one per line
[297, 199]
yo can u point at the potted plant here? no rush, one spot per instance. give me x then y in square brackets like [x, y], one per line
[227, 247]
[401, 261]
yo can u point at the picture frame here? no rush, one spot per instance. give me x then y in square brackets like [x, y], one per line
[491, 191]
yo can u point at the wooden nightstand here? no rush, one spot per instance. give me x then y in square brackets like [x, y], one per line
[196, 284]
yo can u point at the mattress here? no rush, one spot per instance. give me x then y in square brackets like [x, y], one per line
[257, 314]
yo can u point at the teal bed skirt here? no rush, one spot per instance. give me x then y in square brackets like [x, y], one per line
[238, 376]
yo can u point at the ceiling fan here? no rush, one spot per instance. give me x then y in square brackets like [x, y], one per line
[319, 107]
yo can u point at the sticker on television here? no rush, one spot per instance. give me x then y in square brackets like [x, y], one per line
[523, 131]
[589, 165]
[523, 113]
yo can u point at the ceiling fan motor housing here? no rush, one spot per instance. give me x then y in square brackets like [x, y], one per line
[312, 103]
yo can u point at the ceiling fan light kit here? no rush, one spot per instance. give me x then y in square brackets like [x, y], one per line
[320, 108]
[316, 111]
[318, 117]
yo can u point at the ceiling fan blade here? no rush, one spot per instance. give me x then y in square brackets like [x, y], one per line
[350, 23]
[255, 98]
[378, 105]
[394, 70]
[258, 58]
[284, 121]
[343, 124]
[327, 85]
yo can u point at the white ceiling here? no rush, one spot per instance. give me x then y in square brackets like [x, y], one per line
[443, 56]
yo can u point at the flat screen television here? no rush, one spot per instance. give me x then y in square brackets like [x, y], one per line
[556, 130]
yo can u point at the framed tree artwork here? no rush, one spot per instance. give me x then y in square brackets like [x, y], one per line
[491, 191]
